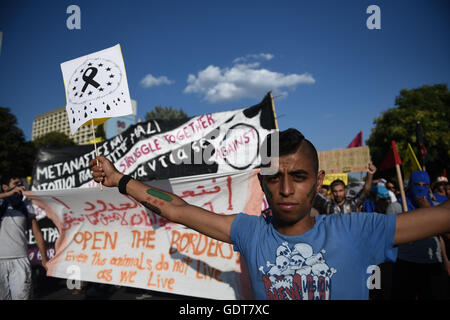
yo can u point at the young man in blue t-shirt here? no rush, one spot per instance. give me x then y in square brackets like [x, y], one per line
[290, 254]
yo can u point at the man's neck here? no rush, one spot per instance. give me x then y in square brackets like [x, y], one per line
[294, 229]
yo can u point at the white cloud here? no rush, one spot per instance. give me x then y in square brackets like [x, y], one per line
[150, 81]
[242, 80]
[259, 56]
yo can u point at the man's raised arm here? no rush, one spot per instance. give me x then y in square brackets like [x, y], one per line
[164, 203]
[369, 179]
[422, 223]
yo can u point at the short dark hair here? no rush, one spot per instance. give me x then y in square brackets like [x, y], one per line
[437, 185]
[337, 182]
[290, 141]
[6, 179]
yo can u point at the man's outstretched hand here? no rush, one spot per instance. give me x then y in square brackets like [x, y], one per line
[103, 171]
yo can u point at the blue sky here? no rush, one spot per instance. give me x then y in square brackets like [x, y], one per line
[330, 74]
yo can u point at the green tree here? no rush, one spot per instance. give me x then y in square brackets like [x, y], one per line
[431, 106]
[53, 139]
[166, 113]
[16, 154]
[100, 131]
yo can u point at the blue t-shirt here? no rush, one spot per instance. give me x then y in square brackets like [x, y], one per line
[329, 261]
[440, 198]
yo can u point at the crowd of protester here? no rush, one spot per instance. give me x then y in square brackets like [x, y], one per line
[422, 269]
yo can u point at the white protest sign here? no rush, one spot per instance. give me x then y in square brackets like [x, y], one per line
[96, 87]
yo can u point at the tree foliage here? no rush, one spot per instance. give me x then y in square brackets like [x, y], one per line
[431, 106]
[53, 139]
[100, 131]
[166, 113]
[16, 154]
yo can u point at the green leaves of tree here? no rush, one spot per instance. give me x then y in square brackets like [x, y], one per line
[165, 113]
[16, 155]
[431, 106]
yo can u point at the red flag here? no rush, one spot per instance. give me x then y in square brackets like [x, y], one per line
[357, 141]
[391, 159]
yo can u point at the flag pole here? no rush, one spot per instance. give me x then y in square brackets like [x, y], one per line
[273, 110]
[400, 186]
[95, 147]
[394, 157]
[420, 143]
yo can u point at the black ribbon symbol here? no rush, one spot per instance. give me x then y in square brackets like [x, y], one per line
[89, 79]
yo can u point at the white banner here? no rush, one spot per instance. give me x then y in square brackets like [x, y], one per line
[221, 142]
[110, 238]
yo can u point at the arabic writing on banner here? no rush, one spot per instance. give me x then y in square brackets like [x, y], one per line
[110, 238]
[213, 143]
[344, 160]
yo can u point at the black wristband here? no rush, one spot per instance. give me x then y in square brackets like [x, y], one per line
[123, 183]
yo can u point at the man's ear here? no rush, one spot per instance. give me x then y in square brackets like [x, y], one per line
[320, 177]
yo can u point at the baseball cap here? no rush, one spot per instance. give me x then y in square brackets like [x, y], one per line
[441, 179]
[380, 191]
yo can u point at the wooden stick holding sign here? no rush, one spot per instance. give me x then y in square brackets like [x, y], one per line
[95, 147]
[96, 89]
